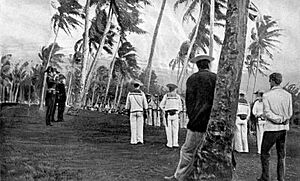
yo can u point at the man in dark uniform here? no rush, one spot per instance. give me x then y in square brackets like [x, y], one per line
[50, 95]
[199, 100]
[61, 97]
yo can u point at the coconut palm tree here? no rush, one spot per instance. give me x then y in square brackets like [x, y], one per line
[149, 64]
[62, 19]
[264, 41]
[127, 15]
[213, 160]
[4, 71]
[201, 38]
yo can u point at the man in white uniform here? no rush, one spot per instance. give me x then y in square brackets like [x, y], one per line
[136, 103]
[171, 105]
[258, 111]
[278, 110]
[240, 133]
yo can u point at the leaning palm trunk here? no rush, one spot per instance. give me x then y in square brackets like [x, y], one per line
[98, 54]
[186, 61]
[212, 22]
[17, 91]
[120, 93]
[93, 95]
[111, 69]
[69, 90]
[85, 51]
[45, 74]
[213, 159]
[116, 96]
[248, 82]
[256, 73]
[149, 66]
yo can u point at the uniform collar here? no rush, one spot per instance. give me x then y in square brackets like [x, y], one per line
[276, 87]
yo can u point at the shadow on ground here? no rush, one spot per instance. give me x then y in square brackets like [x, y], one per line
[95, 146]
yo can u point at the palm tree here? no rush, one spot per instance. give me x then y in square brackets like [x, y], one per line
[4, 71]
[201, 38]
[127, 15]
[213, 160]
[149, 65]
[62, 20]
[264, 41]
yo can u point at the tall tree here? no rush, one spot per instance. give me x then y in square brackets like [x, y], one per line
[264, 41]
[213, 160]
[62, 19]
[149, 64]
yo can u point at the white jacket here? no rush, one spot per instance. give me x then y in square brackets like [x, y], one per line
[136, 101]
[171, 101]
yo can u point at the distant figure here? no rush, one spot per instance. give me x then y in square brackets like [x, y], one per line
[61, 97]
[240, 133]
[278, 110]
[258, 110]
[150, 109]
[156, 111]
[136, 103]
[200, 88]
[171, 105]
[50, 97]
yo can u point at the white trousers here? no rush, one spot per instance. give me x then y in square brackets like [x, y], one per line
[156, 118]
[136, 127]
[150, 119]
[240, 136]
[172, 129]
[259, 134]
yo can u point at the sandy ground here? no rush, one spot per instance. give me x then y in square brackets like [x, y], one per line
[95, 146]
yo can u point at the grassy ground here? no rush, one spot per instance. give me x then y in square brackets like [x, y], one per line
[95, 146]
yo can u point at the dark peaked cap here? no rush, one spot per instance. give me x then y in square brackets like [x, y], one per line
[172, 86]
[201, 57]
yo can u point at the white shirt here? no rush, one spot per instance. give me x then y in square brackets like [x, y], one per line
[258, 108]
[243, 108]
[171, 101]
[136, 101]
[277, 107]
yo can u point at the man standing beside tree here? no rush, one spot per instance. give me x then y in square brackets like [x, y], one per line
[199, 101]
[277, 111]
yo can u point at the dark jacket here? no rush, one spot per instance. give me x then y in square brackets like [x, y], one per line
[200, 88]
[61, 92]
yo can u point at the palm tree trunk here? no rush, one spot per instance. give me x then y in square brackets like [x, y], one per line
[248, 83]
[212, 22]
[116, 95]
[213, 160]
[29, 94]
[256, 73]
[45, 75]
[69, 89]
[98, 53]
[85, 51]
[149, 65]
[93, 94]
[121, 91]
[186, 61]
[17, 91]
[111, 69]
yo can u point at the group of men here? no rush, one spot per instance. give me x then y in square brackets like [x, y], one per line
[272, 110]
[138, 106]
[55, 95]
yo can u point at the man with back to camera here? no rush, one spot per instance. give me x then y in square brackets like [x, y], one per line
[171, 106]
[136, 103]
[278, 110]
[200, 88]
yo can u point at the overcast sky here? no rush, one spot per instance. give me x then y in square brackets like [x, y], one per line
[25, 28]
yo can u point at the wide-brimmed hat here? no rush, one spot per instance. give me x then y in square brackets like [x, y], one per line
[198, 58]
[137, 82]
[242, 92]
[259, 91]
[172, 86]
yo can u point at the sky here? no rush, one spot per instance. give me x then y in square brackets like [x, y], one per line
[26, 27]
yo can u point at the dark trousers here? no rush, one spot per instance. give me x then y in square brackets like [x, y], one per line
[60, 110]
[50, 107]
[269, 139]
